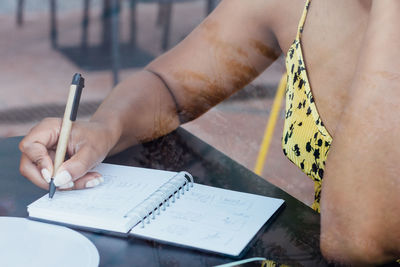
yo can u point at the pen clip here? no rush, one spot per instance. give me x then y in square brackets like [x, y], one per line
[79, 82]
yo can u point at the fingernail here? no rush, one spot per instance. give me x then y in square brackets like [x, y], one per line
[62, 178]
[67, 185]
[94, 182]
[46, 174]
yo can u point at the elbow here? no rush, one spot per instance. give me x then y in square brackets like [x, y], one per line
[355, 248]
[344, 249]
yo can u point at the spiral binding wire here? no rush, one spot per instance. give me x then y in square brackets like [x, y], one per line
[160, 199]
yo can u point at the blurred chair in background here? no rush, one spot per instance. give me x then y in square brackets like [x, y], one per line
[110, 20]
[53, 19]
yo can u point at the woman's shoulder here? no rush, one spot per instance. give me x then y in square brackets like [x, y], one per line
[276, 14]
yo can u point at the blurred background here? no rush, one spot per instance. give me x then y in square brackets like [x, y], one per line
[43, 42]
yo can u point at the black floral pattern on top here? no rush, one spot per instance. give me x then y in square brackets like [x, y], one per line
[305, 140]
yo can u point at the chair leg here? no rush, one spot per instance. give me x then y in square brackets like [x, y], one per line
[132, 24]
[166, 23]
[85, 24]
[269, 129]
[53, 23]
[106, 24]
[160, 13]
[115, 10]
[20, 12]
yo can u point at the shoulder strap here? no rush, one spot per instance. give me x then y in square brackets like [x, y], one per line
[302, 19]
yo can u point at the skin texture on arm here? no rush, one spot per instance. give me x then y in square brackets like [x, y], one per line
[360, 206]
[224, 53]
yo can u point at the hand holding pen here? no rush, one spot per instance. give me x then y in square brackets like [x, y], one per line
[77, 139]
[71, 110]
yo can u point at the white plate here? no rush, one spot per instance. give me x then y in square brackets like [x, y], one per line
[28, 243]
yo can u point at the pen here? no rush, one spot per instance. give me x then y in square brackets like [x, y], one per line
[71, 110]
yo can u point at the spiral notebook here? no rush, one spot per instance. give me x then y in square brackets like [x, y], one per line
[161, 205]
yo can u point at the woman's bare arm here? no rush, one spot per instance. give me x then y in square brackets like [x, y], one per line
[360, 204]
[229, 49]
[223, 54]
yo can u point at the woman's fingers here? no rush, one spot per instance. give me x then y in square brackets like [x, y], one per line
[28, 169]
[38, 142]
[45, 133]
[89, 180]
[88, 145]
[39, 156]
[77, 166]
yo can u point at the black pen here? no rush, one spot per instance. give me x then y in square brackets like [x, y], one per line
[71, 110]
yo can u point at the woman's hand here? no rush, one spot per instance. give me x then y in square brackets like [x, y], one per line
[88, 145]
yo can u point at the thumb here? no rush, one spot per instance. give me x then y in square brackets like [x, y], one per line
[77, 166]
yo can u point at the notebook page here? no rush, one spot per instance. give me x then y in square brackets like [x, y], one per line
[104, 206]
[211, 218]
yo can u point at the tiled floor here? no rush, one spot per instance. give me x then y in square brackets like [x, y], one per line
[34, 82]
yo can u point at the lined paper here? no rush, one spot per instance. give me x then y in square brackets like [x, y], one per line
[105, 205]
[212, 219]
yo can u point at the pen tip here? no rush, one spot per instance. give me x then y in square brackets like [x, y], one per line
[52, 188]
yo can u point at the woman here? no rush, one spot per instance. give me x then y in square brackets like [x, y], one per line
[347, 50]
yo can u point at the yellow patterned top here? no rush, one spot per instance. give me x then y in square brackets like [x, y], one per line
[305, 140]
